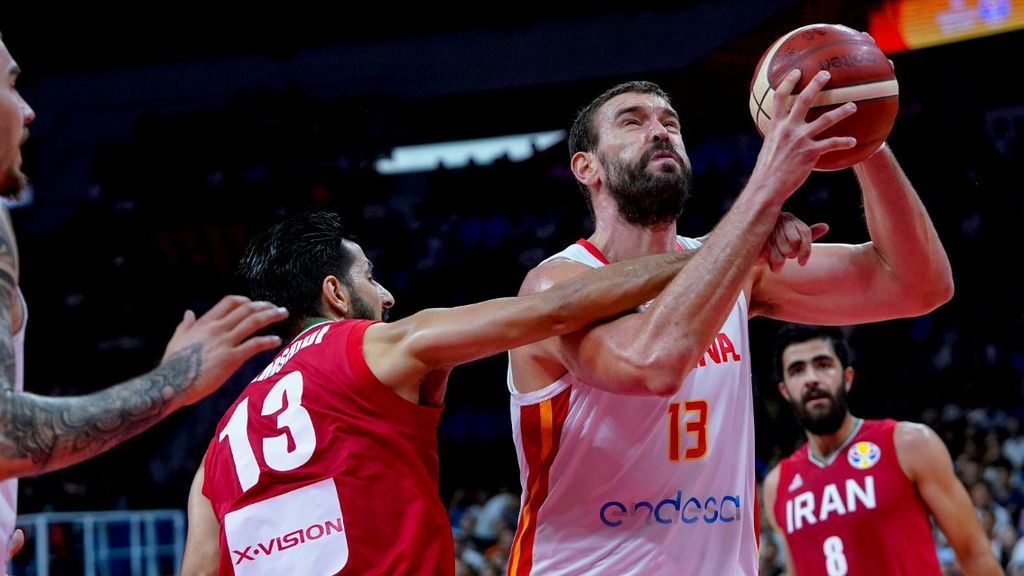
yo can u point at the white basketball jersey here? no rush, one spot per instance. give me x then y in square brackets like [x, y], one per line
[9, 488]
[640, 485]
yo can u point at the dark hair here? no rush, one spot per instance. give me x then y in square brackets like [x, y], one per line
[799, 333]
[583, 137]
[287, 264]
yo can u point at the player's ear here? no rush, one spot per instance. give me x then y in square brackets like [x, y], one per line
[335, 297]
[848, 377]
[584, 167]
[784, 391]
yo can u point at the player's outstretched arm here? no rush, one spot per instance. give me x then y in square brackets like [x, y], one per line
[10, 302]
[401, 353]
[903, 271]
[927, 463]
[40, 433]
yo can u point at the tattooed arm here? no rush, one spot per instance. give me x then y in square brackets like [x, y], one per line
[39, 434]
[10, 303]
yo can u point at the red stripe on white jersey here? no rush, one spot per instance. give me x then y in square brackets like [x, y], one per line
[541, 428]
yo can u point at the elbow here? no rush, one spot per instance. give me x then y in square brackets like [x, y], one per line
[945, 287]
[916, 294]
[943, 293]
[655, 380]
[940, 285]
[936, 291]
[663, 374]
[641, 382]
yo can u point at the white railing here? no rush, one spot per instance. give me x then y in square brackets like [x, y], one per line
[113, 543]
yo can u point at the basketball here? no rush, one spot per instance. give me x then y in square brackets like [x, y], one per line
[861, 73]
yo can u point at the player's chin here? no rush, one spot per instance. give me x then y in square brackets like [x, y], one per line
[665, 166]
[819, 405]
[12, 182]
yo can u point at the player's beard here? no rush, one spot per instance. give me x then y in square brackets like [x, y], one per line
[646, 198]
[823, 421]
[13, 181]
[363, 310]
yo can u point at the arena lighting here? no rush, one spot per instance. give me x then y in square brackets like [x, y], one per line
[899, 25]
[457, 154]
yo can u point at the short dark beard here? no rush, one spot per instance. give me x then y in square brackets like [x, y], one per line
[645, 198]
[361, 309]
[823, 424]
[13, 183]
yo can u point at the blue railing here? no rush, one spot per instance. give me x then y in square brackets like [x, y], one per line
[112, 543]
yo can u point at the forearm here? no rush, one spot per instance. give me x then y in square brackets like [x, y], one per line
[39, 434]
[974, 552]
[616, 288]
[982, 563]
[8, 299]
[902, 233]
[676, 329]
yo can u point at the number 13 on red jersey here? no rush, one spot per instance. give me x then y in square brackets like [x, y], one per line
[295, 422]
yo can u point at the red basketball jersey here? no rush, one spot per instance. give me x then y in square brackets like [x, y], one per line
[857, 512]
[318, 468]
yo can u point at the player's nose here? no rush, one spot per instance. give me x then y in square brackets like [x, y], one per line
[658, 132]
[386, 299]
[27, 113]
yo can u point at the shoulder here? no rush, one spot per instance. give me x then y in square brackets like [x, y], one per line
[550, 273]
[770, 486]
[911, 436]
[770, 489]
[771, 480]
[919, 449]
[371, 339]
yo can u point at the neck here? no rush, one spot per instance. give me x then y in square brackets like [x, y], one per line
[619, 240]
[823, 446]
[308, 323]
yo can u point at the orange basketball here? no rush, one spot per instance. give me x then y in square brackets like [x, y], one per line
[861, 73]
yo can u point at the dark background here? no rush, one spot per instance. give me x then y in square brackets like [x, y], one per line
[166, 139]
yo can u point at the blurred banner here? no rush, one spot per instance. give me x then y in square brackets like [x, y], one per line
[899, 25]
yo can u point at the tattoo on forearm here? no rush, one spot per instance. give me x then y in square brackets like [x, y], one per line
[8, 246]
[7, 365]
[8, 298]
[54, 432]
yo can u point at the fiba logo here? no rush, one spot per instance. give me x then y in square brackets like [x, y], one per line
[863, 455]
